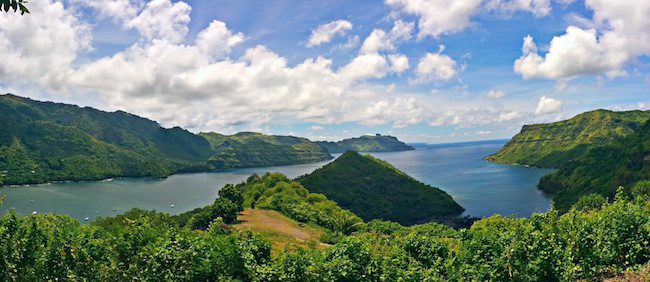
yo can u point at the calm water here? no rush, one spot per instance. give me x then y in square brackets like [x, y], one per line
[482, 188]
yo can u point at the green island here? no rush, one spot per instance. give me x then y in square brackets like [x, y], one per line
[249, 149]
[366, 143]
[592, 241]
[374, 189]
[44, 142]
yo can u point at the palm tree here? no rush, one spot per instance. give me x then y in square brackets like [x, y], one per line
[345, 222]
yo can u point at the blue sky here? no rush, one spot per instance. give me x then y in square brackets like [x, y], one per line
[423, 70]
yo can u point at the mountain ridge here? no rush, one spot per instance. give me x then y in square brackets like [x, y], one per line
[553, 144]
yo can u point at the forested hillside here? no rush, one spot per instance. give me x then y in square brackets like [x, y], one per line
[366, 143]
[374, 189]
[601, 170]
[44, 141]
[248, 149]
[554, 144]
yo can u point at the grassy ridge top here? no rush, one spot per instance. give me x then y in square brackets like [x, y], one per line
[248, 149]
[366, 143]
[374, 189]
[554, 144]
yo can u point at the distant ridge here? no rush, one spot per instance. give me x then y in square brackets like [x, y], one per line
[366, 143]
[250, 149]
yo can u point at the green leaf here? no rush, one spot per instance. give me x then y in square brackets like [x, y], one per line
[6, 4]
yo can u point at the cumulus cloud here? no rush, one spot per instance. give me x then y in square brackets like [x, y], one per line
[495, 94]
[435, 67]
[539, 8]
[162, 20]
[121, 10]
[41, 48]
[326, 32]
[379, 40]
[547, 105]
[441, 17]
[398, 62]
[217, 40]
[620, 36]
[438, 17]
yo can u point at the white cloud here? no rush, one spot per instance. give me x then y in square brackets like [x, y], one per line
[495, 94]
[438, 17]
[163, 20]
[435, 67]
[41, 46]
[398, 62]
[621, 35]
[441, 17]
[217, 40]
[122, 10]
[316, 128]
[364, 67]
[575, 53]
[537, 7]
[548, 105]
[469, 117]
[379, 40]
[326, 32]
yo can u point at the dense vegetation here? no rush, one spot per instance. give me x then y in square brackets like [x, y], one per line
[366, 143]
[249, 149]
[601, 170]
[587, 243]
[374, 189]
[554, 144]
[44, 141]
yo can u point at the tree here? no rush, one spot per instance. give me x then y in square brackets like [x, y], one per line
[16, 5]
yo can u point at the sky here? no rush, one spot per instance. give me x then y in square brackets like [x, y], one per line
[431, 71]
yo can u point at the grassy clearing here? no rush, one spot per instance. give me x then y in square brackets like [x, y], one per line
[284, 233]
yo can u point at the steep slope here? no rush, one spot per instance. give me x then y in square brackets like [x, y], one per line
[45, 141]
[374, 189]
[366, 143]
[601, 170]
[554, 144]
[248, 149]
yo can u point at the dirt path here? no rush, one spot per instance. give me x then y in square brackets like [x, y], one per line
[273, 221]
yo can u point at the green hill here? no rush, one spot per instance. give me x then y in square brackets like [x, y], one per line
[554, 144]
[248, 149]
[374, 189]
[45, 141]
[601, 170]
[366, 143]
